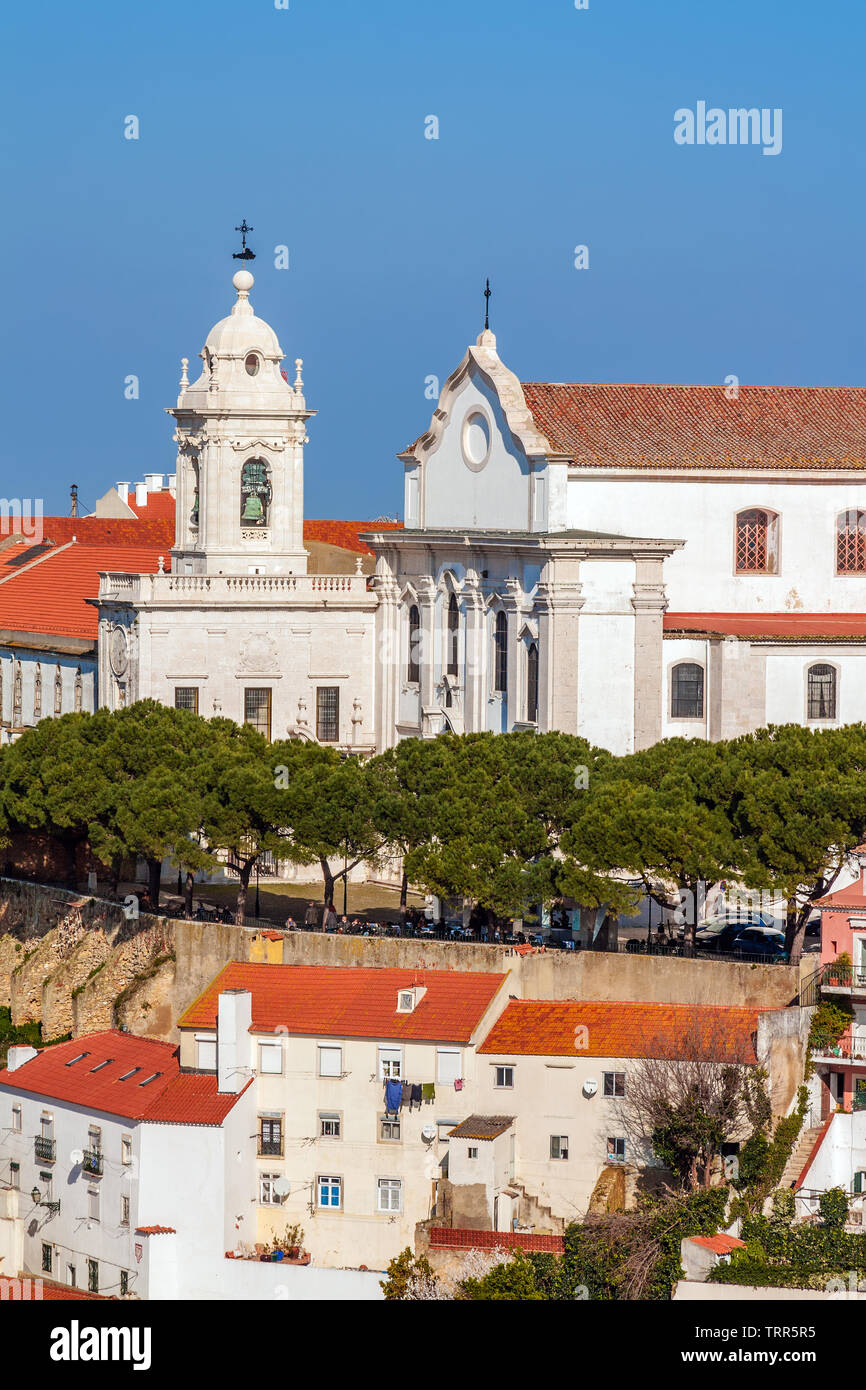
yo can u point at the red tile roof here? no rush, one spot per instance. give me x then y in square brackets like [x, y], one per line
[158, 505]
[461, 1238]
[51, 1292]
[351, 1001]
[786, 625]
[155, 1231]
[48, 596]
[719, 1244]
[603, 425]
[346, 534]
[107, 530]
[851, 898]
[548, 1028]
[172, 1098]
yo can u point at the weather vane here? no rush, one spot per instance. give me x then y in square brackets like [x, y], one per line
[487, 305]
[246, 254]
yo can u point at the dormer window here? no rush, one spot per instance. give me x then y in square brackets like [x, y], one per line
[409, 999]
[252, 364]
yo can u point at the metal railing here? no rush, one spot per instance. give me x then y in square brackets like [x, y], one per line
[270, 1148]
[843, 977]
[44, 1149]
[92, 1162]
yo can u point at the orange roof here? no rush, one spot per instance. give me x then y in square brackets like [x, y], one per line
[50, 1291]
[802, 625]
[602, 425]
[548, 1028]
[852, 898]
[351, 1001]
[48, 596]
[719, 1244]
[158, 505]
[155, 1231]
[90, 1071]
[346, 534]
[105, 530]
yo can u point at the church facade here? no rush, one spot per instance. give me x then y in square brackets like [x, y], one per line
[622, 562]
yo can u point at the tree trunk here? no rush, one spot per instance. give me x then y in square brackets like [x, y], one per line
[114, 878]
[795, 930]
[329, 882]
[244, 875]
[187, 893]
[154, 879]
[404, 897]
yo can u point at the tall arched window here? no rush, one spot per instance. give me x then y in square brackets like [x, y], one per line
[851, 543]
[16, 695]
[79, 690]
[58, 690]
[821, 692]
[452, 637]
[255, 493]
[532, 683]
[500, 654]
[37, 691]
[413, 671]
[687, 691]
[757, 550]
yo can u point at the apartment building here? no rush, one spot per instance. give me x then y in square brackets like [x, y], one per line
[340, 1151]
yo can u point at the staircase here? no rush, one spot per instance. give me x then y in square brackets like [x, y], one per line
[533, 1212]
[802, 1149]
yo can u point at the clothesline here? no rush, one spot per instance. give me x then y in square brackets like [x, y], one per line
[411, 1093]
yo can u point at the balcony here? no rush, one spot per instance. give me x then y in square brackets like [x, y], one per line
[92, 1162]
[270, 1148]
[290, 589]
[843, 979]
[44, 1149]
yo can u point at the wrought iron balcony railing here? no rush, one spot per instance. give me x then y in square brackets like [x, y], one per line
[270, 1148]
[92, 1162]
[44, 1149]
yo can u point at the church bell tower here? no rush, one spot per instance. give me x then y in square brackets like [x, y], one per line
[241, 431]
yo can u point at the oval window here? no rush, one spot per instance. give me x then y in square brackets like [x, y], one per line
[252, 364]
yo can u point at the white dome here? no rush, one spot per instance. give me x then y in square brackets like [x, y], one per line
[242, 331]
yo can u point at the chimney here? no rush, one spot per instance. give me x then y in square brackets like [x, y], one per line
[18, 1055]
[234, 1019]
[172, 484]
[141, 494]
[153, 482]
[123, 491]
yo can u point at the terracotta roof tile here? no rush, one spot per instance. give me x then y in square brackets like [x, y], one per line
[852, 898]
[352, 1001]
[347, 534]
[155, 1231]
[720, 1244]
[48, 596]
[603, 425]
[548, 1028]
[787, 625]
[482, 1127]
[172, 1097]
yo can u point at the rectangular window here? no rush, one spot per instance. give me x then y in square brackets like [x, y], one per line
[390, 1194]
[329, 1126]
[16, 1118]
[448, 1067]
[15, 1175]
[93, 1276]
[389, 1130]
[390, 1063]
[444, 1128]
[94, 1138]
[124, 1211]
[559, 1146]
[186, 697]
[206, 1054]
[330, 1061]
[47, 1256]
[615, 1150]
[270, 1136]
[257, 710]
[329, 1192]
[126, 1150]
[268, 1195]
[471, 1153]
[271, 1059]
[124, 1282]
[93, 1203]
[504, 1078]
[614, 1083]
[328, 713]
[71, 1276]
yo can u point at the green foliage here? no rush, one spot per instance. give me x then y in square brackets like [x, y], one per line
[829, 1021]
[404, 1270]
[31, 1033]
[800, 1255]
[762, 1160]
[512, 1280]
[833, 1206]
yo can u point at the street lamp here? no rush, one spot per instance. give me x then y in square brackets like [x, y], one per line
[39, 1201]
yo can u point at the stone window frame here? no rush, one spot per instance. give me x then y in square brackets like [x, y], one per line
[687, 718]
[828, 720]
[772, 542]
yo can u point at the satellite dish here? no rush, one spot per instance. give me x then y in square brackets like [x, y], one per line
[282, 1187]
[428, 1134]
[590, 1086]
[77, 1156]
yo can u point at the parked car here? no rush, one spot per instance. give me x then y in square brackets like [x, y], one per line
[721, 934]
[757, 941]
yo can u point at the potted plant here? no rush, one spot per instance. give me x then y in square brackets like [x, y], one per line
[292, 1241]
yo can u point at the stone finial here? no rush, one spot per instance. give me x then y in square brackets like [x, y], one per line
[161, 564]
[359, 563]
[299, 384]
[184, 379]
[302, 712]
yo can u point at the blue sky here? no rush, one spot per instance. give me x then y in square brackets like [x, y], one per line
[555, 130]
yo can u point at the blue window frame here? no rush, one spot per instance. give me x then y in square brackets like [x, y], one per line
[330, 1192]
